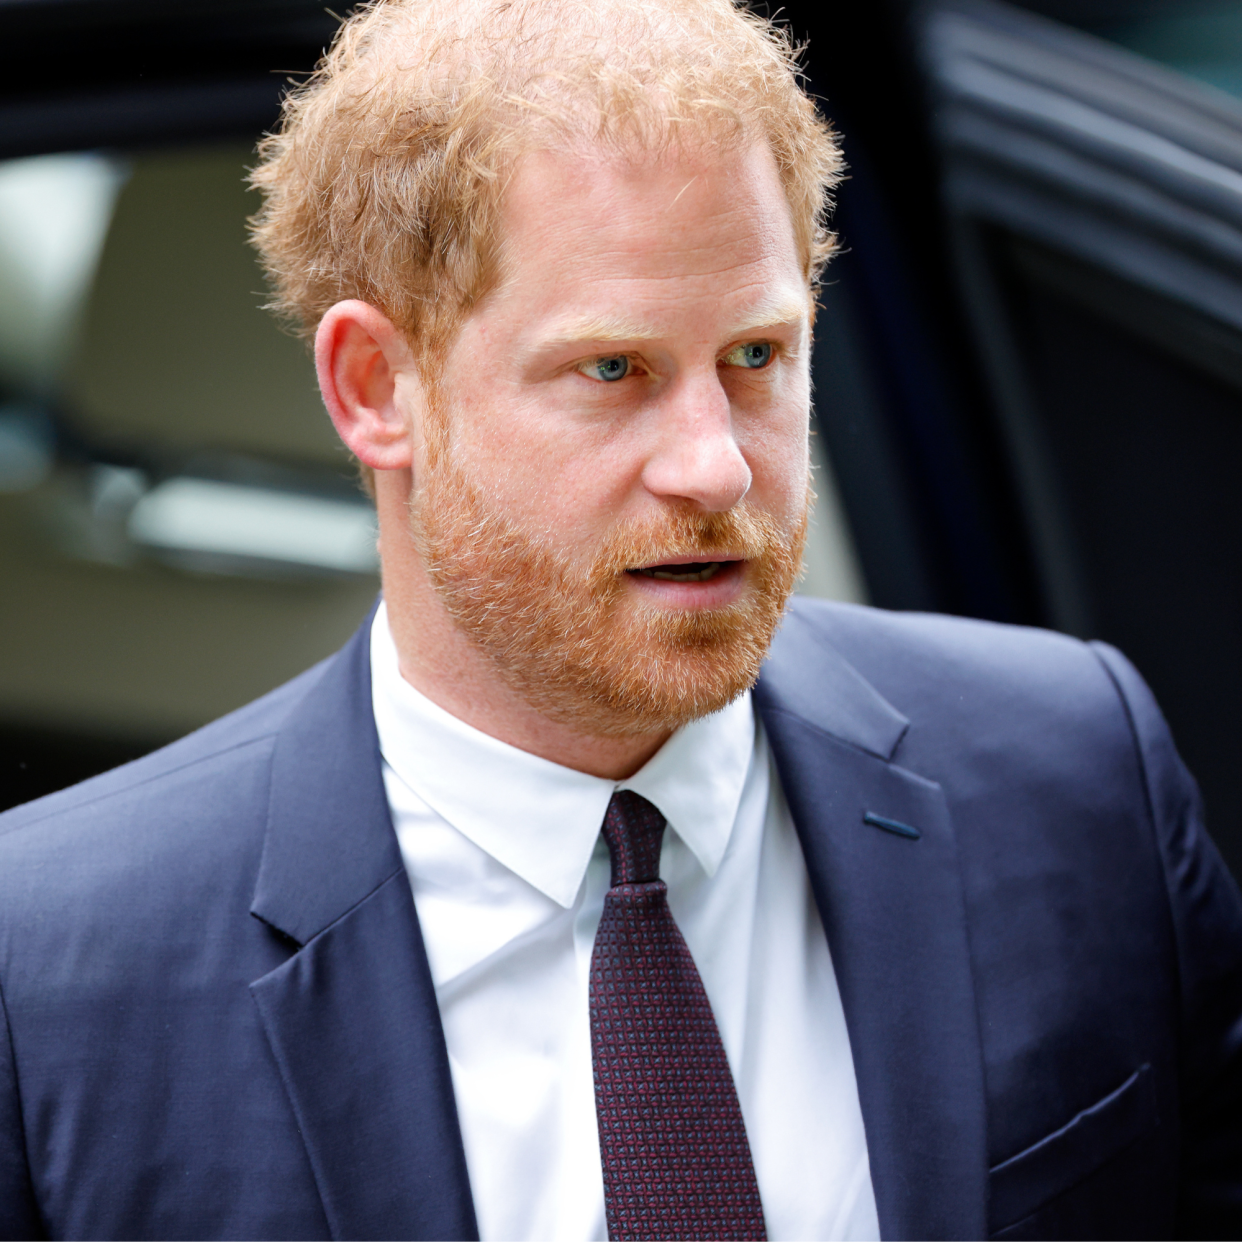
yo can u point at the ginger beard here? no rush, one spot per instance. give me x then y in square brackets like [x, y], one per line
[578, 645]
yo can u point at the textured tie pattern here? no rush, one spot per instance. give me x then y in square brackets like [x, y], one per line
[672, 1140]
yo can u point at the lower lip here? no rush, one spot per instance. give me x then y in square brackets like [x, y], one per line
[720, 590]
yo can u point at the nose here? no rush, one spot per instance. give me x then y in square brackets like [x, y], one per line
[697, 457]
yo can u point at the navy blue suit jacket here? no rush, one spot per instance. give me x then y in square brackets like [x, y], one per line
[219, 1020]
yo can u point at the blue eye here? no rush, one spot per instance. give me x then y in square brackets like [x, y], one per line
[608, 369]
[755, 355]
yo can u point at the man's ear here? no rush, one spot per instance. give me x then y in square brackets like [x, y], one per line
[358, 356]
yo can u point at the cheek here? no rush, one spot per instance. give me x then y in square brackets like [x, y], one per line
[792, 477]
[546, 471]
[777, 452]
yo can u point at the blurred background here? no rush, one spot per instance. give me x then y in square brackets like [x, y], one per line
[1028, 364]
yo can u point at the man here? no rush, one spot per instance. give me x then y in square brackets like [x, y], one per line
[525, 915]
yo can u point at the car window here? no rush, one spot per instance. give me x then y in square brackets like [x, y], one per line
[1202, 41]
[179, 527]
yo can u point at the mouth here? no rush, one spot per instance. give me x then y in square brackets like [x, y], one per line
[688, 571]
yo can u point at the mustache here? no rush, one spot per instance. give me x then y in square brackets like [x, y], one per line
[740, 533]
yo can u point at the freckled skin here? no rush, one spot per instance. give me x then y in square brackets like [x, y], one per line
[671, 265]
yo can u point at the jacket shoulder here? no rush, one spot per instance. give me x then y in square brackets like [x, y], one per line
[157, 774]
[896, 649]
[169, 827]
[958, 680]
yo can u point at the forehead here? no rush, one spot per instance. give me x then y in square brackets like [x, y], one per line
[592, 231]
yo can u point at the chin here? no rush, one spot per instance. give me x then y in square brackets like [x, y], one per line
[655, 670]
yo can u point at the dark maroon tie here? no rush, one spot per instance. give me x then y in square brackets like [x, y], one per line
[671, 1136]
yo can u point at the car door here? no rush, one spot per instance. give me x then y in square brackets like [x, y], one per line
[1093, 206]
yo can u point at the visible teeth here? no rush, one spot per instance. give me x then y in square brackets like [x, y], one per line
[688, 575]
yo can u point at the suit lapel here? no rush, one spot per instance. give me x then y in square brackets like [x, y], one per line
[352, 1017]
[893, 911]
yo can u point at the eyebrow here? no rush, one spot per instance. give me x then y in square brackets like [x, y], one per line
[602, 329]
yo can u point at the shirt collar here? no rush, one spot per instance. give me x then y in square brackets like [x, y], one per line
[537, 818]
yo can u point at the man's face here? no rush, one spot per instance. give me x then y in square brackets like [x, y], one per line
[611, 491]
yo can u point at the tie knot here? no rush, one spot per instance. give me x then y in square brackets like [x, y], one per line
[634, 830]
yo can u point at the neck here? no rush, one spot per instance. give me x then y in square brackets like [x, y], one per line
[439, 661]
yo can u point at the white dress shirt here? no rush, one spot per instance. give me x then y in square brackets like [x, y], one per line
[509, 873]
